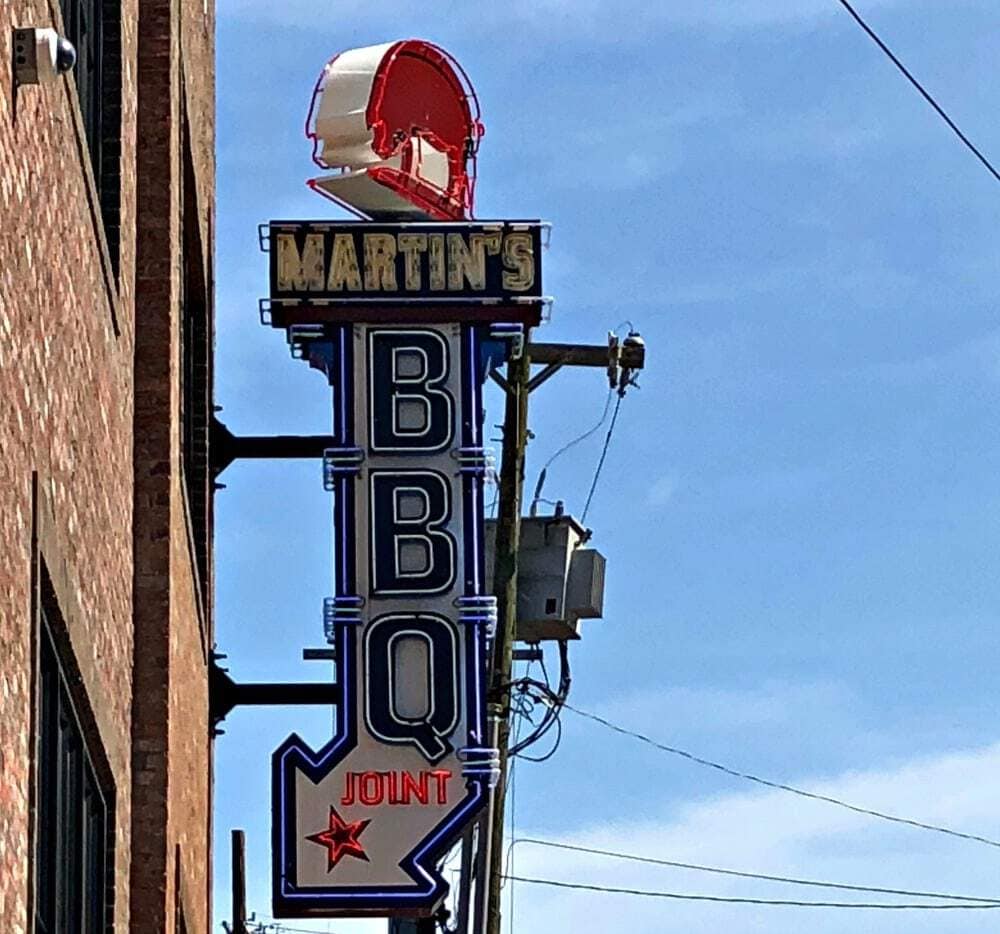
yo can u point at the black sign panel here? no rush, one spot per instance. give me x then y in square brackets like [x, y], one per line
[334, 272]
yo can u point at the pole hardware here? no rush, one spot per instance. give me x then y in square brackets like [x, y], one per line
[224, 693]
[632, 348]
[621, 359]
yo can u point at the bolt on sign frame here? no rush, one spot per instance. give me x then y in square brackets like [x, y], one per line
[405, 320]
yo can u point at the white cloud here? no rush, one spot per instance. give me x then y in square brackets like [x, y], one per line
[776, 833]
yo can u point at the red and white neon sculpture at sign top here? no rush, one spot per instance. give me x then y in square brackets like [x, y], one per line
[399, 122]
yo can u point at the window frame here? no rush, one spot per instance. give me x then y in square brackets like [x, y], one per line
[196, 402]
[73, 797]
[94, 28]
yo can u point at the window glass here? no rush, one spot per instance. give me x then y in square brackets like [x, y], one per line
[93, 28]
[72, 815]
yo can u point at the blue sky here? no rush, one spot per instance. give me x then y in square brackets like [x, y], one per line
[800, 505]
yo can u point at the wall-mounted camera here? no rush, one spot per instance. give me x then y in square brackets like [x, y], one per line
[41, 55]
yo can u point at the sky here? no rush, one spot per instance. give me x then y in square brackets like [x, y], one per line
[800, 504]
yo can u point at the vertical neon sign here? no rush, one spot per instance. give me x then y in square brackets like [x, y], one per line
[402, 318]
[360, 823]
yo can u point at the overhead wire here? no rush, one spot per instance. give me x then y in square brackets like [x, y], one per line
[557, 724]
[600, 463]
[734, 900]
[509, 869]
[780, 786]
[623, 384]
[920, 88]
[569, 445]
[276, 927]
[510, 786]
[764, 877]
[553, 699]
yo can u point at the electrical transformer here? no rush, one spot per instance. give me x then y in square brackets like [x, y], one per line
[559, 582]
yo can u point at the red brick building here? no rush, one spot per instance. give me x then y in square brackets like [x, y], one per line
[106, 231]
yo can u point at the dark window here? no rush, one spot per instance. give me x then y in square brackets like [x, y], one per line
[94, 28]
[196, 382]
[71, 828]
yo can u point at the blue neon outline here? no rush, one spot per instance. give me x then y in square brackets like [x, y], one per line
[295, 753]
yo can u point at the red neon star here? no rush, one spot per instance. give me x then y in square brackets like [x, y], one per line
[341, 839]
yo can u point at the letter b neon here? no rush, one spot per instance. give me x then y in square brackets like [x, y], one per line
[411, 411]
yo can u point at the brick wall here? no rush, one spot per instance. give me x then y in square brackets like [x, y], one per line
[172, 755]
[65, 415]
[89, 439]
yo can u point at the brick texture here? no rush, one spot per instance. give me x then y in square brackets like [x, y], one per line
[90, 453]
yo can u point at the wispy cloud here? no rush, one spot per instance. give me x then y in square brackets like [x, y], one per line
[775, 833]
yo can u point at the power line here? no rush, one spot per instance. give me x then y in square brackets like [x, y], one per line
[812, 883]
[537, 498]
[708, 763]
[513, 820]
[732, 900]
[531, 690]
[276, 927]
[584, 436]
[604, 454]
[923, 92]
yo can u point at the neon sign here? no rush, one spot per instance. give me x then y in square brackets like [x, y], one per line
[401, 311]
[324, 271]
[408, 767]
[399, 123]
[396, 787]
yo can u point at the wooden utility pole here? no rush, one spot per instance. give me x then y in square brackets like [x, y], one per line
[239, 852]
[508, 539]
[622, 362]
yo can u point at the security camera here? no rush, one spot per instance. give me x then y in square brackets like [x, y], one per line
[41, 55]
[65, 55]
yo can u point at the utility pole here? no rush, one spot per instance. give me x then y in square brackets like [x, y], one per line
[622, 360]
[508, 540]
[239, 850]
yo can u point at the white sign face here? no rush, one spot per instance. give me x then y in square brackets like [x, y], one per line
[360, 824]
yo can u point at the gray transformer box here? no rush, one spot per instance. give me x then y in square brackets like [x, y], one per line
[558, 582]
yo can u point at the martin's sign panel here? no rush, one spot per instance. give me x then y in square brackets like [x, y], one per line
[334, 272]
[360, 824]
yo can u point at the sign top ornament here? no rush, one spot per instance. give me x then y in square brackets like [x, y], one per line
[399, 124]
